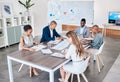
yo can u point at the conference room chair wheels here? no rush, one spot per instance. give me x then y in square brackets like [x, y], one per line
[98, 61]
[78, 77]
[20, 67]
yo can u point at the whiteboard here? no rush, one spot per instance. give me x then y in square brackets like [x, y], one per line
[71, 12]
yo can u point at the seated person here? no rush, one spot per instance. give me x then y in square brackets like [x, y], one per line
[26, 42]
[97, 40]
[49, 33]
[75, 53]
[82, 29]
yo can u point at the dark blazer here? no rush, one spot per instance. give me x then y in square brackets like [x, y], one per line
[46, 36]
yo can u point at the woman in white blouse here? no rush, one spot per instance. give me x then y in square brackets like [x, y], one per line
[75, 53]
[26, 42]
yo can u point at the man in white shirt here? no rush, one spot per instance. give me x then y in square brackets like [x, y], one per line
[49, 32]
[82, 29]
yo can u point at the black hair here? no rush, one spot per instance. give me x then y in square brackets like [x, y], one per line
[53, 22]
[83, 20]
[27, 27]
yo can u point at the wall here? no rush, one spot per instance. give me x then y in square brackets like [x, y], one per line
[102, 8]
[39, 11]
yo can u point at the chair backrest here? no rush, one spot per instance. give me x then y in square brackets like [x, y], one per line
[101, 48]
[84, 65]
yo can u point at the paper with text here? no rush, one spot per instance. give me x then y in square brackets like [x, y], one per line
[62, 45]
[46, 51]
[39, 47]
[58, 55]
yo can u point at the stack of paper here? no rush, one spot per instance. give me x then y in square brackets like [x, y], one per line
[85, 46]
[62, 45]
[88, 38]
[46, 51]
[88, 46]
[38, 47]
[54, 42]
[58, 55]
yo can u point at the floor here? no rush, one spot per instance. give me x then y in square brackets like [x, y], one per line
[114, 72]
[110, 54]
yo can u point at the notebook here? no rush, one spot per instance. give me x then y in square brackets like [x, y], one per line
[62, 45]
[39, 47]
[46, 51]
[88, 38]
[58, 55]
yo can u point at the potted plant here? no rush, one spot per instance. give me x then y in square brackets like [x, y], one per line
[27, 5]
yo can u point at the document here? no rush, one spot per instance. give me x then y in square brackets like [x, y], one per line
[39, 47]
[46, 51]
[58, 55]
[54, 42]
[88, 38]
[62, 45]
[86, 45]
[64, 36]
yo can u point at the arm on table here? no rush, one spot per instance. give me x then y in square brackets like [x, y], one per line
[23, 45]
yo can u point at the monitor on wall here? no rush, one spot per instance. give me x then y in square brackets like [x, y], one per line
[113, 17]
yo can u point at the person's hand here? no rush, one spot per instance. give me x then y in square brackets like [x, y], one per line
[36, 43]
[80, 37]
[57, 38]
[64, 51]
[86, 41]
[62, 38]
[31, 49]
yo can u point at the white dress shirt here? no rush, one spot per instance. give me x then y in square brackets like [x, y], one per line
[81, 30]
[51, 32]
[71, 54]
[73, 66]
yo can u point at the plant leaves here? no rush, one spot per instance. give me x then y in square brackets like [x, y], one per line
[29, 1]
[22, 3]
[31, 5]
[27, 4]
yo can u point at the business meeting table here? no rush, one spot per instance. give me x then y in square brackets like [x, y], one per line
[37, 60]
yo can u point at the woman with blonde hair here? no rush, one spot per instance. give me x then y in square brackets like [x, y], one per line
[75, 53]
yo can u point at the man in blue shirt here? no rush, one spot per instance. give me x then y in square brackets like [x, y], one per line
[49, 33]
[82, 29]
[97, 41]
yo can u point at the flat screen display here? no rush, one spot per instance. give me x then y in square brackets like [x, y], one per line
[113, 17]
